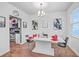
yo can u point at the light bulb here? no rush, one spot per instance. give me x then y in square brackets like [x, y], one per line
[43, 13]
[38, 13]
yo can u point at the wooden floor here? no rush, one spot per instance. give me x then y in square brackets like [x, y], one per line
[25, 51]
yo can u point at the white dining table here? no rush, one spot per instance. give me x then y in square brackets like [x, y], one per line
[43, 46]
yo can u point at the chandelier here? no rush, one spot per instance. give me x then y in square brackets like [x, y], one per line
[41, 12]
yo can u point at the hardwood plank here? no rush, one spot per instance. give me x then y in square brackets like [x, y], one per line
[26, 51]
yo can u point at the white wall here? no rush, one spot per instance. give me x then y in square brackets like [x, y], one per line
[73, 41]
[6, 10]
[49, 18]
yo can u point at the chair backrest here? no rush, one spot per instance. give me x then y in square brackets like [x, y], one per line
[54, 37]
[66, 39]
[26, 35]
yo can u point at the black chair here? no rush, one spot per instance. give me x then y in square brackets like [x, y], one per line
[63, 44]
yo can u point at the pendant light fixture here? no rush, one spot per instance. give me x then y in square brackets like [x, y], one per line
[41, 12]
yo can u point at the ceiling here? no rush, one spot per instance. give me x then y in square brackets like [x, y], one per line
[30, 8]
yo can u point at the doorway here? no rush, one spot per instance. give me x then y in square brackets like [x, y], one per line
[15, 29]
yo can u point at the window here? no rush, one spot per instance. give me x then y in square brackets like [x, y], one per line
[75, 22]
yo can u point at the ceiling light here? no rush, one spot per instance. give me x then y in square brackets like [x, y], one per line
[41, 12]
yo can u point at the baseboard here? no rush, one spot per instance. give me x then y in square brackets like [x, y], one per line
[1, 54]
[22, 43]
[74, 51]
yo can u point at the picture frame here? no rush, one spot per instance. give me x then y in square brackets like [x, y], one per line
[34, 25]
[24, 24]
[57, 24]
[19, 22]
[2, 21]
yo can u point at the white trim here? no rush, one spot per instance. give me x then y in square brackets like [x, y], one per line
[22, 43]
[74, 51]
[74, 36]
[73, 48]
[4, 52]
